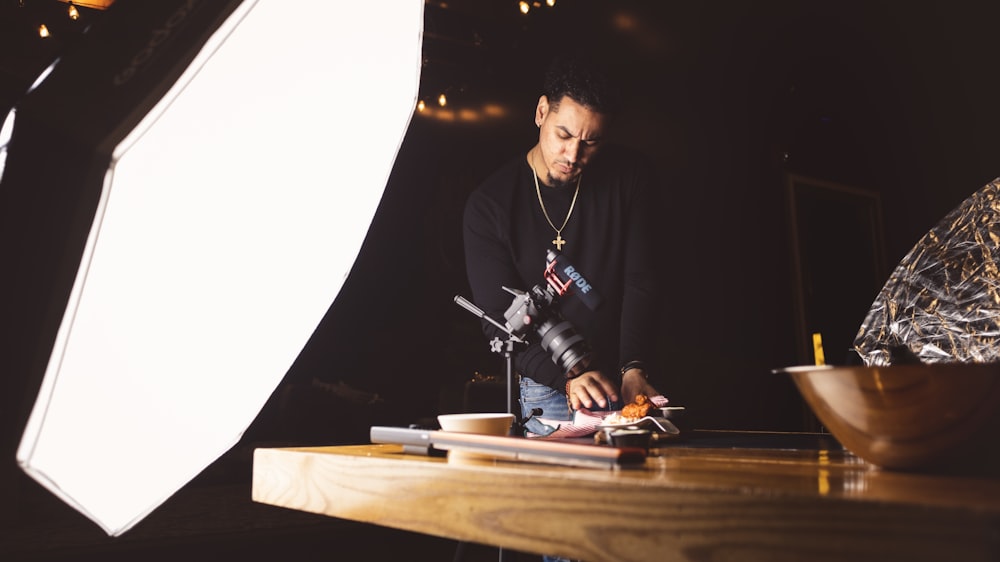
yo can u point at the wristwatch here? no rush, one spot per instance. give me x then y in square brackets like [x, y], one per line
[635, 365]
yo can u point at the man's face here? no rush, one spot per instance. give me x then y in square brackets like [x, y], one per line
[569, 136]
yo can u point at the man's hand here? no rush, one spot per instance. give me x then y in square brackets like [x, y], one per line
[633, 383]
[590, 388]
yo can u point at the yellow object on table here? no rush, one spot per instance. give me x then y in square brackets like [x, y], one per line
[818, 349]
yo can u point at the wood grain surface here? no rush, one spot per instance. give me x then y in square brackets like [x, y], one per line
[695, 504]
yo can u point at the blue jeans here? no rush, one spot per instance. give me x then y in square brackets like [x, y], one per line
[553, 404]
[550, 401]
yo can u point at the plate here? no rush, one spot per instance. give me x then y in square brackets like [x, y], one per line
[663, 425]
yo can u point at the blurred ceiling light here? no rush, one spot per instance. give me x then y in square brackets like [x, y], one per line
[625, 21]
[465, 114]
[421, 105]
[494, 110]
[524, 6]
[92, 4]
[442, 100]
[43, 31]
[74, 14]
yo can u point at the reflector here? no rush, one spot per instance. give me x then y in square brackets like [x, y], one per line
[230, 212]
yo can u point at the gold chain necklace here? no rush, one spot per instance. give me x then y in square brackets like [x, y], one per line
[559, 240]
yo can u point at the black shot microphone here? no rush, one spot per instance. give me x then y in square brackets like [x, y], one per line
[563, 277]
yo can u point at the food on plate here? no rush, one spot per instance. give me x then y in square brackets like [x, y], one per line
[631, 413]
[638, 408]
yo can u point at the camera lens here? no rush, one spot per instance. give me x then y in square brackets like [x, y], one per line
[569, 350]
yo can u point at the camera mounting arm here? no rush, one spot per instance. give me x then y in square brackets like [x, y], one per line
[467, 305]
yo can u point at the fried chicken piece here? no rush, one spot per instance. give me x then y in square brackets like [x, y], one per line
[638, 408]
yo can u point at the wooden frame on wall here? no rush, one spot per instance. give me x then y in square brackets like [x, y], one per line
[838, 261]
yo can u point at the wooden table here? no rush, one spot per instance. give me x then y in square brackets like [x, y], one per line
[703, 500]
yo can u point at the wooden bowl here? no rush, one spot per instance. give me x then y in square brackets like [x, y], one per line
[935, 417]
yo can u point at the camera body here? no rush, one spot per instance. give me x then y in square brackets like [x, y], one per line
[536, 312]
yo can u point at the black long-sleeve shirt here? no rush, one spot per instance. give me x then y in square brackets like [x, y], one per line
[506, 237]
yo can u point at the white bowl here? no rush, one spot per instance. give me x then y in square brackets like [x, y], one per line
[487, 424]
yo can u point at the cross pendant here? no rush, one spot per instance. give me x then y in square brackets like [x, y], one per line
[559, 241]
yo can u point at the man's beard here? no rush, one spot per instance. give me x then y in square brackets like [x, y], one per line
[553, 182]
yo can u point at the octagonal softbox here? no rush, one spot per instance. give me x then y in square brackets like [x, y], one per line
[182, 199]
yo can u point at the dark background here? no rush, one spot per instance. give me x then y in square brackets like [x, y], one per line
[728, 98]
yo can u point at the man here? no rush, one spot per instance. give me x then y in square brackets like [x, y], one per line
[591, 202]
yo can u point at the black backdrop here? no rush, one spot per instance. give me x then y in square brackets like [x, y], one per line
[728, 98]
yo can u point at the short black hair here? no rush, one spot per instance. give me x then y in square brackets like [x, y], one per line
[584, 81]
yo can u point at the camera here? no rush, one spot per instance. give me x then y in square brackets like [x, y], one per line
[536, 311]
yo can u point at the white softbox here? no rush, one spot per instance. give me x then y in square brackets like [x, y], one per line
[229, 213]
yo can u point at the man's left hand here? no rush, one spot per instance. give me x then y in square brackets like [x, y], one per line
[635, 382]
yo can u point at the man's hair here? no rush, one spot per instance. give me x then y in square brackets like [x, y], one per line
[581, 80]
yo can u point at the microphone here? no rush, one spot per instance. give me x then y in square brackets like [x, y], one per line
[563, 277]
